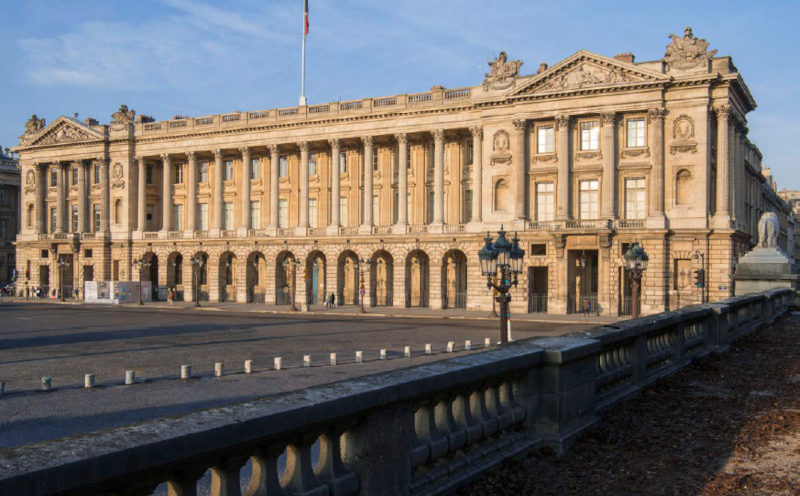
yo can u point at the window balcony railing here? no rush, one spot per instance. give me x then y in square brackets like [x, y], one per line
[630, 223]
[418, 229]
[200, 234]
[149, 235]
[587, 224]
[454, 228]
[87, 235]
[227, 233]
[316, 231]
[256, 232]
[349, 230]
[175, 234]
[284, 231]
[381, 229]
[543, 225]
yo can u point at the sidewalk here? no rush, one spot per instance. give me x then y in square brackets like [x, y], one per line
[349, 311]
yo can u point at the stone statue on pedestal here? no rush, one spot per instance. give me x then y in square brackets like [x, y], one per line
[766, 266]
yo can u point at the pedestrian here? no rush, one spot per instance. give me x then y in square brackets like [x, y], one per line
[170, 296]
[333, 300]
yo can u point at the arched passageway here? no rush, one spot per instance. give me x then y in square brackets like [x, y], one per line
[417, 279]
[454, 280]
[347, 278]
[314, 276]
[256, 277]
[227, 277]
[381, 279]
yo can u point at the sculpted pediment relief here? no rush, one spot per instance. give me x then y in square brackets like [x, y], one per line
[64, 130]
[584, 71]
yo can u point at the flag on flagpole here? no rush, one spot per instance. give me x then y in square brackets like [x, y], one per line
[305, 17]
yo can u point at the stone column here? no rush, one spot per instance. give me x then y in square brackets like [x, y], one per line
[166, 193]
[141, 195]
[402, 183]
[520, 167]
[274, 192]
[608, 151]
[83, 196]
[303, 175]
[218, 185]
[105, 208]
[245, 219]
[60, 198]
[722, 217]
[41, 195]
[191, 194]
[366, 227]
[477, 173]
[335, 187]
[438, 177]
[564, 159]
[657, 219]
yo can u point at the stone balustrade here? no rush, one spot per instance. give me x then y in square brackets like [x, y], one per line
[419, 431]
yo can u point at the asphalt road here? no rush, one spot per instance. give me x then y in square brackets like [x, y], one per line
[66, 342]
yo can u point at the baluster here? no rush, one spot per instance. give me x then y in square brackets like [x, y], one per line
[478, 408]
[225, 477]
[465, 419]
[419, 451]
[428, 433]
[184, 483]
[509, 403]
[496, 409]
[446, 423]
[299, 478]
[330, 468]
[264, 479]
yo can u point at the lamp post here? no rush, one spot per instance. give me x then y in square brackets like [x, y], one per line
[636, 260]
[197, 263]
[142, 264]
[583, 306]
[63, 263]
[501, 259]
[363, 268]
[699, 256]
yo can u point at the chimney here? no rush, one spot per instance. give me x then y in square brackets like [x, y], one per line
[542, 68]
[625, 57]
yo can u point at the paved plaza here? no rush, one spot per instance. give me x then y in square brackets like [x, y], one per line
[67, 341]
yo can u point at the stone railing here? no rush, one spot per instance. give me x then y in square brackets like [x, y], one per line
[587, 224]
[630, 223]
[419, 431]
[150, 235]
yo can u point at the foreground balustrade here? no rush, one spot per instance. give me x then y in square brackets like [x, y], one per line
[419, 431]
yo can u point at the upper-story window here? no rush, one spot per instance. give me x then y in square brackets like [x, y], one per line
[96, 217]
[588, 207]
[545, 201]
[53, 217]
[635, 206]
[149, 174]
[228, 166]
[4, 198]
[202, 172]
[255, 168]
[178, 176]
[74, 218]
[635, 133]
[470, 151]
[96, 174]
[342, 162]
[312, 164]
[283, 213]
[283, 166]
[545, 139]
[375, 159]
[53, 177]
[74, 176]
[590, 135]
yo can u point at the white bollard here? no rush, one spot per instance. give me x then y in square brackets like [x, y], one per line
[383, 354]
[88, 381]
[306, 360]
[428, 349]
[47, 383]
[407, 352]
[186, 371]
[468, 345]
[278, 363]
[487, 342]
[333, 359]
[450, 346]
[218, 369]
[248, 366]
[130, 377]
[359, 356]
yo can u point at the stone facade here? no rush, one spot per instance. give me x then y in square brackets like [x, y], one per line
[9, 213]
[580, 159]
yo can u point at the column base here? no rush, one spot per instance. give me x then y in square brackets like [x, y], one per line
[400, 229]
[721, 221]
[657, 221]
[332, 230]
[364, 229]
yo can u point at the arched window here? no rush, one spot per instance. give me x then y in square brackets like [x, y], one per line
[117, 211]
[501, 196]
[683, 186]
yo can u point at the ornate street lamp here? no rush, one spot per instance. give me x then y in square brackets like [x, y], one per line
[63, 263]
[142, 264]
[363, 268]
[636, 260]
[504, 260]
[197, 264]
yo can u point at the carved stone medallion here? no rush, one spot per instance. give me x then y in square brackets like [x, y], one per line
[500, 146]
[682, 133]
[30, 178]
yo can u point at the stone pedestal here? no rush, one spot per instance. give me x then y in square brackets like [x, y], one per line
[763, 269]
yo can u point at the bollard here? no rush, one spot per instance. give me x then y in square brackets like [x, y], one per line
[333, 359]
[428, 349]
[47, 383]
[88, 381]
[248, 366]
[383, 354]
[218, 369]
[306, 360]
[186, 371]
[2, 388]
[278, 363]
[468, 345]
[359, 356]
[130, 377]
[407, 352]
[450, 346]
[487, 342]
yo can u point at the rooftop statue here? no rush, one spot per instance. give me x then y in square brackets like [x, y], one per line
[34, 125]
[502, 73]
[687, 52]
[123, 115]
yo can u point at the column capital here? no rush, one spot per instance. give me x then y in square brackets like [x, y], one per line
[608, 118]
[100, 161]
[273, 149]
[520, 125]
[723, 112]
[244, 150]
[191, 156]
[303, 146]
[141, 161]
[166, 158]
[402, 138]
[562, 121]
[438, 135]
[367, 140]
[477, 131]
[334, 142]
[657, 113]
[218, 154]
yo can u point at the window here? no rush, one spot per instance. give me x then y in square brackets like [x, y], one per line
[470, 151]
[96, 217]
[4, 197]
[466, 215]
[344, 211]
[30, 215]
[118, 211]
[149, 216]
[375, 159]
[177, 217]
[203, 172]
[312, 164]
[149, 175]
[342, 162]
[87, 253]
[588, 202]
[283, 213]
[545, 142]
[501, 194]
[53, 177]
[538, 249]
[255, 168]
[53, 216]
[227, 211]
[545, 196]
[202, 213]
[96, 173]
[312, 212]
[178, 175]
[228, 170]
[255, 214]
[376, 212]
[283, 167]
[635, 133]
[635, 206]
[429, 207]
[74, 176]
[590, 133]
[683, 183]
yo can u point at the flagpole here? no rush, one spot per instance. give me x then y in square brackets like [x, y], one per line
[303, 101]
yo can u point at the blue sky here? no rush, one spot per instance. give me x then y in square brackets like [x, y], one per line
[200, 57]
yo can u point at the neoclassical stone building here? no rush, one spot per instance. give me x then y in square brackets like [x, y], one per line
[9, 213]
[580, 159]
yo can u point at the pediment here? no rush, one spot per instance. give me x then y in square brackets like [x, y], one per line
[65, 130]
[586, 70]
